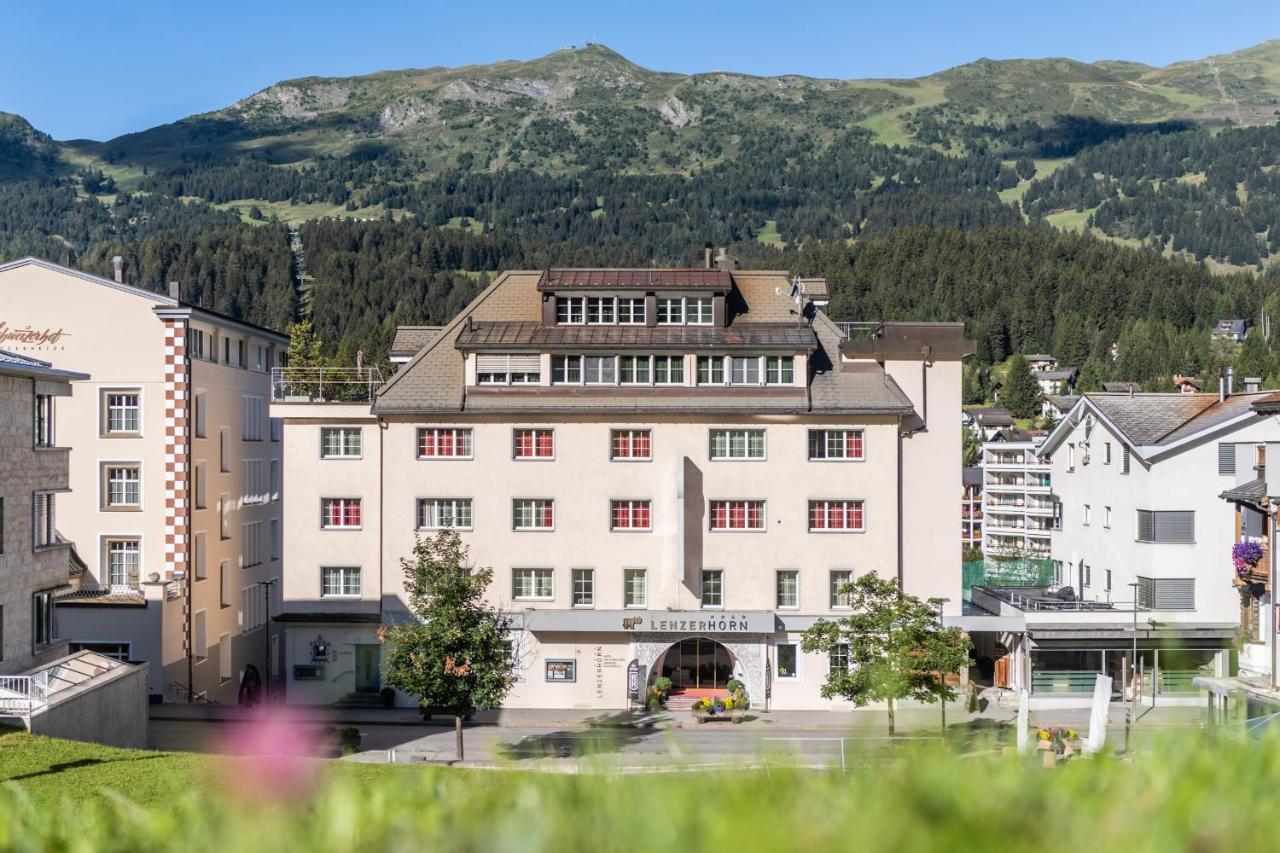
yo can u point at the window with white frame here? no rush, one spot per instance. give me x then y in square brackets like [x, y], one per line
[744, 370]
[340, 582]
[631, 310]
[843, 445]
[224, 516]
[253, 413]
[255, 485]
[122, 485]
[584, 587]
[566, 370]
[712, 588]
[530, 443]
[42, 427]
[788, 660]
[737, 444]
[788, 589]
[710, 370]
[635, 588]
[441, 513]
[838, 515]
[630, 444]
[685, 310]
[224, 657]
[196, 343]
[532, 584]
[635, 370]
[1106, 516]
[780, 370]
[533, 514]
[251, 544]
[444, 443]
[601, 310]
[571, 310]
[600, 370]
[668, 370]
[124, 562]
[341, 443]
[838, 658]
[259, 358]
[517, 369]
[122, 412]
[629, 515]
[1086, 516]
[43, 520]
[737, 515]
[340, 513]
[840, 599]
[274, 480]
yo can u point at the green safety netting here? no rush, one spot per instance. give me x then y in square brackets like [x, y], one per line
[1024, 571]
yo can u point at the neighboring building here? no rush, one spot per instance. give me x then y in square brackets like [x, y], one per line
[1053, 381]
[1143, 549]
[35, 558]
[1234, 330]
[175, 477]
[1016, 485]
[971, 507]
[1056, 406]
[1190, 385]
[1121, 387]
[985, 422]
[410, 339]
[1040, 363]
[674, 467]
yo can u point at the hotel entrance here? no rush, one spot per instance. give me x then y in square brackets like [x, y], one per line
[698, 664]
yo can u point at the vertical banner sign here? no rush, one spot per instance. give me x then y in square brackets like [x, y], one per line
[634, 681]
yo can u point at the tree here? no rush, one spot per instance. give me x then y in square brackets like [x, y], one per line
[971, 446]
[893, 644]
[304, 346]
[1021, 392]
[456, 654]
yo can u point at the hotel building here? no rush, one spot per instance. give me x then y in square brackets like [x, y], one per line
[679, 468]
[1017, 486]
[175, 474]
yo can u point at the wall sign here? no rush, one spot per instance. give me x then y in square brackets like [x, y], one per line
[635, 680]
[721, 623]
[562, 670]
[29, 336]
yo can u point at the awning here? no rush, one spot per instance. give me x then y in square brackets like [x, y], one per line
[1253, 493]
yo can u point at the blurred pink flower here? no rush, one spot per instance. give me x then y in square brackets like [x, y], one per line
[275, 754]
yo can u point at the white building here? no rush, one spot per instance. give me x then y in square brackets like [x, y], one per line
[1017, 501]
[1143, 552]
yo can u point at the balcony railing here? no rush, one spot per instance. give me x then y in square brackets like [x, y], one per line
[1039, 600]
[324, 384]
[20, 695]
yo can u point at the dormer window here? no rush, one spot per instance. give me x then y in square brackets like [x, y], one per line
[508, 369]
[685, 310]
[746, 370]
[599, 310]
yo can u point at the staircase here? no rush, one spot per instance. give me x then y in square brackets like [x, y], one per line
[683, 701]
[359, 700]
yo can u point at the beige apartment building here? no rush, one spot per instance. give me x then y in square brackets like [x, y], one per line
[672, 468]
[35, 559]
[175, 474]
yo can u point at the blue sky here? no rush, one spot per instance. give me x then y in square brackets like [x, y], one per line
[99, 68]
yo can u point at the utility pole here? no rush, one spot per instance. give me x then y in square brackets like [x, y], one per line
[266, 636]
[943, 695]
[1133, 693]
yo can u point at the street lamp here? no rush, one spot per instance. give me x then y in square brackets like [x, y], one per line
[943, 694]
[1133, 666]
[266, 637]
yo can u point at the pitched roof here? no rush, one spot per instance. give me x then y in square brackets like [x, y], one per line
[16, 364]
[1039, 356]
[1253, 492]
[1121, 387]
[643, 277]
[410, 339]
[533, 335]
[1161, 419]
[1056, 375]
[1062, 402]
[991, 416]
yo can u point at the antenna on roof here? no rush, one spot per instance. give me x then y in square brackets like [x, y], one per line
[797, 289]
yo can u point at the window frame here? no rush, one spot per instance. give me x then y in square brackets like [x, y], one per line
[419, 445]
[632, 507]
[550, 504]
[550, 576]
[345, 444]
[627, 573]
[824, 444]
[105, 409]
[833, 593]
[535, 434]
[794, 675]
[44, 421]
[631, 434]
[850, 505]
[326, 503]
[777, 589]
[574, 576]
[421, 503]
[343, 586]
[704, 576]
[107, 569]
[104, 491]
[729, 502]
[728, 433]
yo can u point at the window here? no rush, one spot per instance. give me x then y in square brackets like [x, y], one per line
[441, 513]
[788, 588]
[42, 628]
[635, 587]
[737, 444]
[600, 310]
[631, 310]
[274, 480]
[43, 520]
[532, 584]
[42, 409]
[634, 369]
[533, 514]
[277, 543]
[224, 450]
[1071, 458]
[679, 310]
[668, 370]
[840, 599]
[1226, 459]
[1088, 574]
[253, 411]
[201, 556]
[200, 635]
[1124, 461]
[122, 486]
[226, 350]
[508, 369]
[1106, 453]
[1167, 526]
[533, 443]
[224, 516]
[224, 657]
[584, 587]
[566, 369]
[744, 371]
[195, 343]
[845, 516]
[250, 544]
[737, 515]
[836, 444]
[1, 535]
[224, 583]
[260, 358]
[444, 443]
[253, 608]
[780, 370]
[713, 588]
[629, 515]
[1108, 581]
[570, 310]
[122, 412]
[600, 370]
[241, 360]
[710, 370]
[200, 404]
[1166, 593]
[124, 562]
[670, 312]
[340, 582]
[1106, 516]
[341, 443]
[838, 658]
[255, 483]
[277, 428]
[630, 444]
[121, 651]
[340, 512]
[1086, 516]
[788, 658]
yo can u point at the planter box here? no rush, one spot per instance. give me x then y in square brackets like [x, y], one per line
[733, 716]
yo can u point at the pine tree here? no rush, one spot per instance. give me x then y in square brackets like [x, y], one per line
[1021, 393]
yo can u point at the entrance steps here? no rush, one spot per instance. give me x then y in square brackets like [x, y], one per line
[359, 700]
[683, 701]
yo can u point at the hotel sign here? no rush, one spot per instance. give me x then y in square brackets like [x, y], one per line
[651, 621]
[29, 336]
[701, 622]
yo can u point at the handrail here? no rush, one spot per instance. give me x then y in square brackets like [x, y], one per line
[324, 384]
[20, 695]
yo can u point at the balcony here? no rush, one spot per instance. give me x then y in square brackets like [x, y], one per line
[324, 384]
[1041, 600]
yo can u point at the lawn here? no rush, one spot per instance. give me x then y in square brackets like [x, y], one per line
[1189, 792]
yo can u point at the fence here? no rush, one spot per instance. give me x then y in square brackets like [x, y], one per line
[22, 694]
[324, 384]
[1026, 571]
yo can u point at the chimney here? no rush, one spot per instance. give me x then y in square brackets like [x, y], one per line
[707, 248]
[117, 265]
[1222, 387]
[175, 291]
[1231, 380]
[1252, 384]
[725, 261]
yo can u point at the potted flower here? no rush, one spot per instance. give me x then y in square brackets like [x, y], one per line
[1245, 556]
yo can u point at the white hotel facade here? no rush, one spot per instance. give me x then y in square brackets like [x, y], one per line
[671, 467]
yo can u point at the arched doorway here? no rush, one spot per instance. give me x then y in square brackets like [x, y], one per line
[698, 666]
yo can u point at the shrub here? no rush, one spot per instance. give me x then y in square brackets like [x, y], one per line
[734, 685]
[663, 685]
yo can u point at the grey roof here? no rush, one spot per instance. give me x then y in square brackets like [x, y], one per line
[1039, 356]
[16, 364]
[1057, 375]
[971, 475]
[533, 335]
[410, 339]
[991, 416]
[1014, 435]
[1121, 387]
[1252, 492]
[1160, 419]
[1062, 402]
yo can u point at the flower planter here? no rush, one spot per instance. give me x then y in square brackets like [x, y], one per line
[734, 716]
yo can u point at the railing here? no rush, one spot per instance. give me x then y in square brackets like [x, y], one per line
[858, 330]
[324, 384]
[20, 695]
[1037, 600]
[1071, 681]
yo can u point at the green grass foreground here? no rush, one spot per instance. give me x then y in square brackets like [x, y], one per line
[1189, 793]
